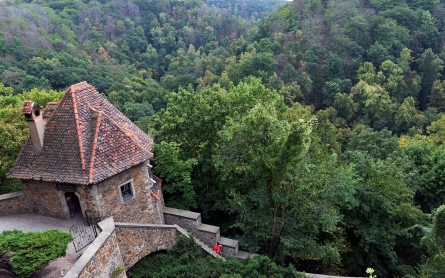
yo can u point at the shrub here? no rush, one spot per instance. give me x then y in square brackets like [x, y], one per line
[31, 251]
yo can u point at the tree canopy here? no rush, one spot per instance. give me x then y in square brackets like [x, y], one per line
[311, 131]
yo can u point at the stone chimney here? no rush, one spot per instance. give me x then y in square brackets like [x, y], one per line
[36, 124]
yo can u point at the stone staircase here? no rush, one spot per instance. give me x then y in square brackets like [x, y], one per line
[207, 234]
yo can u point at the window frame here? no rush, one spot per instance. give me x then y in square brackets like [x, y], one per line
[128, 197]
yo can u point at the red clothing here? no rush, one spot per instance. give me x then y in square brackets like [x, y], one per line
[217, 248]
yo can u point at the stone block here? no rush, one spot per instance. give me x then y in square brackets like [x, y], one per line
[183, 218]
[208, 234]
[229, 247]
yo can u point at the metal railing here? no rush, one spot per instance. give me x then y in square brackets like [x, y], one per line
[84, 231]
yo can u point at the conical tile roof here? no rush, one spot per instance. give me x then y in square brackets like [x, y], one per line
[86, 140]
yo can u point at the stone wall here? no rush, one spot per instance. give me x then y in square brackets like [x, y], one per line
[13, 203]
[208, 234]
[183, 218]
[138, 240]
[88, 199]
[141, 208]
[44, 198]
[102, 257]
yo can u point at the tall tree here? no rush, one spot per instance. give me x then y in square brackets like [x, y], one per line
[430, 67]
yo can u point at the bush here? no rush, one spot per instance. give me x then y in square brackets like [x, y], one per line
[31, 251]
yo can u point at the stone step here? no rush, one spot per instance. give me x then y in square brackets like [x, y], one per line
[244, 255]
[206, 234]
[208, 249]
[229, 247]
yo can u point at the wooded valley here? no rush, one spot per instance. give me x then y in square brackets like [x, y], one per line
[311, 131]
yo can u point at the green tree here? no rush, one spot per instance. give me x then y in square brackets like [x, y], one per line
[391, 35]
[437, 131]
[429, 160]
[193, 119]
[289, 74]
[333, 66]
[428, 32]
[186, 257]
[264, 165]
[331, 88]
[438, 95]
[394, 83]
[430, 67]
[375, 104]
[177, 174]
[384, 215]
[435, 265]
[377, 54]
[407, 117]
[378, 144]
[366, 72]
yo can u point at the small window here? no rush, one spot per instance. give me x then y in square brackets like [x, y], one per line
[126, 191]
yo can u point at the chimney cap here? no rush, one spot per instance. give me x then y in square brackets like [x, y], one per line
[31, 110]
[27, 107]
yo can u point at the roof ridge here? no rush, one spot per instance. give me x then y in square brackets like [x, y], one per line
[93, 149]
[76, 86]
[76, 117]
[125, 132]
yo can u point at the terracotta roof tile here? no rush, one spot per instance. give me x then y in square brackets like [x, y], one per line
[27, 107]
[86, 141]
[49, 109]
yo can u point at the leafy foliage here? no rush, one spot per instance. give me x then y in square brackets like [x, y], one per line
[185, 258]
[223, 85]
[435, 265]
[31, 251]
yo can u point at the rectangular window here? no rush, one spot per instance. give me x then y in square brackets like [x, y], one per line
[126, 191]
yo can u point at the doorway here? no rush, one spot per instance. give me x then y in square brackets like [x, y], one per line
[73, 203]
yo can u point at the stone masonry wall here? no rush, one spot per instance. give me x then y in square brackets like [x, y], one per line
[43, 198]
[136, 242]
[140, 209]
[189, 224]
[107, 258]
[88, 199]
[101, 258]
[13, 203]
[208, 234]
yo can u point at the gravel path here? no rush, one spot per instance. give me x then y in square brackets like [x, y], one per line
[34, 222]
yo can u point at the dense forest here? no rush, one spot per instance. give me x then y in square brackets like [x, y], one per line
[312, 131]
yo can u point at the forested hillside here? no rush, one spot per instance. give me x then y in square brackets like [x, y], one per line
[313, 133]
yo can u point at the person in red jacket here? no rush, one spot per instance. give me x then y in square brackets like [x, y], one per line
[217, 248]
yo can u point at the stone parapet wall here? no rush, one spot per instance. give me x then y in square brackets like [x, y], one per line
[229, 247]
[229, 251]
[185, 219]
[102, 257]
[139, 240]
[208, 234]
[13, 203]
